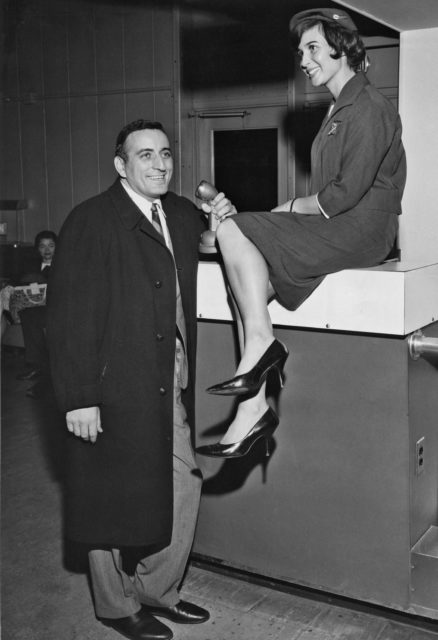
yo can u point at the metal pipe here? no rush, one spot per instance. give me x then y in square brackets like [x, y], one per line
[220, 114]
[420, 345]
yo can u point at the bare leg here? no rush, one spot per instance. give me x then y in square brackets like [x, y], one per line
[248, 277]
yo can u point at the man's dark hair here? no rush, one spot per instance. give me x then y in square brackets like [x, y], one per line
[342, 40]
[137, 125]
[43, 235]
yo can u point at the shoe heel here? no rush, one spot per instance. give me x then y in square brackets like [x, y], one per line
[268, 450]
[281, 378]
[281, 374]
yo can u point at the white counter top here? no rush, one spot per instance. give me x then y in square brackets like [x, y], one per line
[395, 298]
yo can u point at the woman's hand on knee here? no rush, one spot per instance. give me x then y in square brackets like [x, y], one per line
[220, 206]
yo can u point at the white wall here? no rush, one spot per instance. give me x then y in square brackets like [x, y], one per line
[418, 106]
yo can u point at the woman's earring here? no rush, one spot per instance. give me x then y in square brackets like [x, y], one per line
[364, 64]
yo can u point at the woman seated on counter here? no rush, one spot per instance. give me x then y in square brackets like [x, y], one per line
[350, 220]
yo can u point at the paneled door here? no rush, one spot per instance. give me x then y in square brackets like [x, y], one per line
[245, 154]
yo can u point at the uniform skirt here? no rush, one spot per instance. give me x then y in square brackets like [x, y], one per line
[300, 250]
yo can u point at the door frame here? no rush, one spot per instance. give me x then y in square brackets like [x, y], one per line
[266, 117]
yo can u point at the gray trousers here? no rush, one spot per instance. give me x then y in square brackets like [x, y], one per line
[158, 576]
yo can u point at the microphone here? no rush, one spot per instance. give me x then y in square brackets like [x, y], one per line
[207, 242]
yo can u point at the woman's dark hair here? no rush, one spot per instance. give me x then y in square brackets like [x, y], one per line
[342, 40]
[137, 125]
[42, 235]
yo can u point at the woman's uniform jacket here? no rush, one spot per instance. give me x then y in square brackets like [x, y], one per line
[358, 159]
[111, 335]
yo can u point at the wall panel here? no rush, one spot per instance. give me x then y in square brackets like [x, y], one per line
[59, 161]
[34, 169]
[81, 53]
[11, 174]
[30, 57]
[164, 104]
[84, 148]
[418, 100]
[140, 105]
[10, 63]
[111, 118]
[109, 50]
[54, 42]
[163, 50]
[139, 48]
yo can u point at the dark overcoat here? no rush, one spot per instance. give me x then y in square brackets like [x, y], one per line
[111, 337]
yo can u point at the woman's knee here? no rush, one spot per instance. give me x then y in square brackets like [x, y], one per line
[228, 233]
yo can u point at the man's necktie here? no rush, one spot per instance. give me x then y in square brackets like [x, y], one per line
[156, 219]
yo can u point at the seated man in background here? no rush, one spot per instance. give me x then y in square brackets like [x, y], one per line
[33, 319]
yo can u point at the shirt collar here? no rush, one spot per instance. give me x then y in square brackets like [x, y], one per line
[142, 203]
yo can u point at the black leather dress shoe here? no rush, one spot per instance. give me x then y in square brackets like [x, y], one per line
[29, 374]
[183, 613]
[140, 626]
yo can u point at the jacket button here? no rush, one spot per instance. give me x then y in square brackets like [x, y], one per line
[159, 337]
[163, 391]
[158, 284]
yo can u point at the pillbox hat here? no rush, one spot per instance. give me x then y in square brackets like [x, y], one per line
[335, 15]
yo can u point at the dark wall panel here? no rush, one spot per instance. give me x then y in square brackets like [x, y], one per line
[11, 188]
[139, 49]
[11, 174]
[84, 148]
[81, 53]
[163, 50]
[10, 64]
[55, 64]
[109, 50]
[111, 118]
[34, 168]
[140, 105]
[30, 57]
[59, 161]
[164, 105]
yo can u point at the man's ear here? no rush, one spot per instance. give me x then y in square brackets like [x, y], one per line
[119, 164]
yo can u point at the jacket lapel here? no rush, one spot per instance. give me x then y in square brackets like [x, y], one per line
[129, 214]
[349, 93]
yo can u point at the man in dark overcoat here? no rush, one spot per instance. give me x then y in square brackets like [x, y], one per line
[122, 339]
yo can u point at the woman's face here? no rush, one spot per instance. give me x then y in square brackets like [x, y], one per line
[317, 63]
[46, 249]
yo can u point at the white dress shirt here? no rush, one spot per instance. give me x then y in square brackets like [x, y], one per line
[145, 207]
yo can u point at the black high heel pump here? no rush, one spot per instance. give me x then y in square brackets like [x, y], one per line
[264, 428]
[249, 383]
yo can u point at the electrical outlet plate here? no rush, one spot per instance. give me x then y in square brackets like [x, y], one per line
[419, 456]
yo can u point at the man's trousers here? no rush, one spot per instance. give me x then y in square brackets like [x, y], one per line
[158, 576]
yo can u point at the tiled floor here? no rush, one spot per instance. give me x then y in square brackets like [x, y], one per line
[45, 589]
[252, 612]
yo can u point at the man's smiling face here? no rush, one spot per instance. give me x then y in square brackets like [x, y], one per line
[148, 163]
